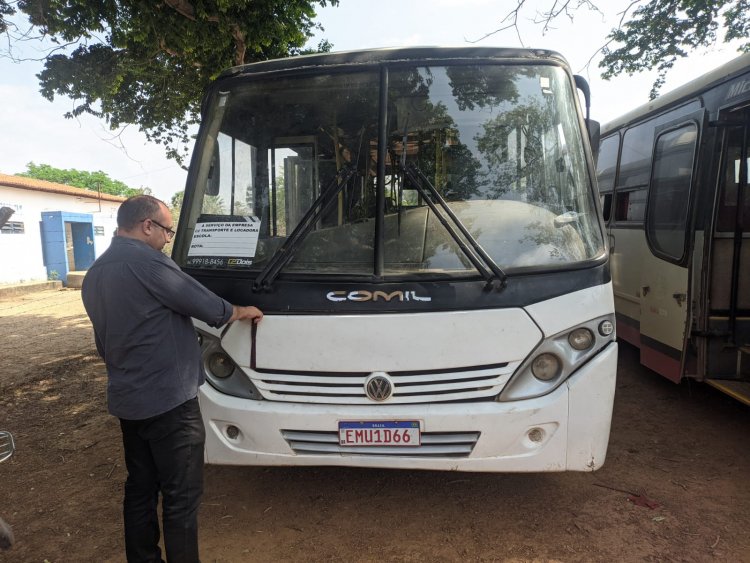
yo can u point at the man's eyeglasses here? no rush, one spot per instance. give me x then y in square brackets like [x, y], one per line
[170, 232]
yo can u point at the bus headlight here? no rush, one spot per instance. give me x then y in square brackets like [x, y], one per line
[545, 367]
[557, 357]
[221, 372]
[581, 338]
[219, 365]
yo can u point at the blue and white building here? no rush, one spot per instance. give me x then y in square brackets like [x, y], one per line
[53, 229]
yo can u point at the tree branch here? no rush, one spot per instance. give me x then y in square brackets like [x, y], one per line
[186, 9]
[240, 47]
[182, 7]
[564, 9]
[513, 17]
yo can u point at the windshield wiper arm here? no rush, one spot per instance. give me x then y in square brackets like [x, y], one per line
[283, 255]
[482, 261]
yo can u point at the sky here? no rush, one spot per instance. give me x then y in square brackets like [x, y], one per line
[34, 129]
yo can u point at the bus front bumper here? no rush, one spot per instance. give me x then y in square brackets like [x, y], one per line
[567, 429]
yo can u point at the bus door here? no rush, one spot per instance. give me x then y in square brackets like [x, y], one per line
[728, 344]
[664, 272]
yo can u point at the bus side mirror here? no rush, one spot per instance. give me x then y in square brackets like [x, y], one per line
[583, 86]
[595, 131]
[214, 174]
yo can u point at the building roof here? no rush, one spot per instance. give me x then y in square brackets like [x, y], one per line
[51, 187]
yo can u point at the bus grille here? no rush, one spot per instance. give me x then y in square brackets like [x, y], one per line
[476, 383]
[434, 444]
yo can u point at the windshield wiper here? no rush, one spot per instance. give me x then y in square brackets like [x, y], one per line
[283, 255]
[482, 261]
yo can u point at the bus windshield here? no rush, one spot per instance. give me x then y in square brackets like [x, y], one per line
[501, 144]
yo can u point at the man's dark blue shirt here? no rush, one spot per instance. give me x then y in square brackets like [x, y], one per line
[140, 304]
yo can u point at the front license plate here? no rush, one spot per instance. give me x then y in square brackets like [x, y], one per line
[379, 433]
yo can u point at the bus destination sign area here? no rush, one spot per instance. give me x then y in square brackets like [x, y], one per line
[224, 244]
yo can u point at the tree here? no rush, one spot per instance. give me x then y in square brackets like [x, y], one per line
[652, 34]
[147, 63]
[96, 181]
[662, 31]
[5, 10]
[211, 205]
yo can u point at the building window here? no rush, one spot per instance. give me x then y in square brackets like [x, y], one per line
[12, 228]
[98, 230]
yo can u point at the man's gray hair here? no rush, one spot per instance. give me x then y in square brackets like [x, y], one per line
[137, 209]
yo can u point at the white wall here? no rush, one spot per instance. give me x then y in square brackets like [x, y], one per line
[21, 256]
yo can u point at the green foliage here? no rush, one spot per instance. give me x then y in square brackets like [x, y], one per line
[5, 10]
[176, 202]
[147, 63]
[652, 34]
[211, 205]
[95, 181]
[662, 31]
[175, 207]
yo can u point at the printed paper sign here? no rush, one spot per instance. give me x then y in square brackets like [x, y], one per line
[224, 243]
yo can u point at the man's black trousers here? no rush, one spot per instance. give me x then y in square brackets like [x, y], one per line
[164, 454]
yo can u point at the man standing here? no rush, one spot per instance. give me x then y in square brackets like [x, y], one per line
[140, 304]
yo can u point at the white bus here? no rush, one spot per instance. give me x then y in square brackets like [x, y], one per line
[421, 229]
[673, 181]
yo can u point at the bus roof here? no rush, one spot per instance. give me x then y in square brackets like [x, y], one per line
[710, 79]
[395, 54]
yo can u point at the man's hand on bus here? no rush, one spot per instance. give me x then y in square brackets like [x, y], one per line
[240, 313]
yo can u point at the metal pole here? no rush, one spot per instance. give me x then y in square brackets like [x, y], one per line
[380, 194]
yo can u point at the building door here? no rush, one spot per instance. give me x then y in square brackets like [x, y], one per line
[69, 247]
[68, 242]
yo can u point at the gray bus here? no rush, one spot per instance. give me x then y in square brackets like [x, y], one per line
[673, 181]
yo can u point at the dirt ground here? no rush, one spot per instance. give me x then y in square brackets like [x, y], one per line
[684, 448]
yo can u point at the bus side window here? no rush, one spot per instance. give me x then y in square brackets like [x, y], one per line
[635, 161]
[727, 212]
[606, 200]
[670, 191]
[606, 166]
[633, 174]
[630, 205]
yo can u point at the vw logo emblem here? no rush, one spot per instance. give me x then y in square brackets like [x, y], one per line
[378, 386]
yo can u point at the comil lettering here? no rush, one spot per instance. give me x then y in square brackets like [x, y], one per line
[364, 295]
[739, 88]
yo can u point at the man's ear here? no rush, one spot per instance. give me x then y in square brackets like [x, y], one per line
[145, 227]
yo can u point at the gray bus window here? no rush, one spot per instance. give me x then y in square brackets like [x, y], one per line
[606, 164]
[631, 205]
[635, 162]
[730, 183]
[670, 191]
[638, 144]
[635, 167]
[606, 201]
